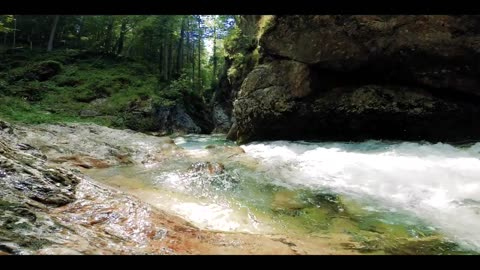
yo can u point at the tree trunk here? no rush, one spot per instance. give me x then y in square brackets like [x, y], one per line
[180, 49]
[187, 46]
[160, 61]
[170, 58]
[121, 39]
[214, 77]
[165, 61]
[14, 31]
[109, 36]
[60, 32]
[79, 33]
[52, 34]
[31, 37]
[199, 56]
[192, 58]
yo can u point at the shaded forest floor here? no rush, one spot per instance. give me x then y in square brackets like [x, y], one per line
[80, 86]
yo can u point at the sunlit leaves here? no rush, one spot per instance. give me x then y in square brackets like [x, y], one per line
[5, 21]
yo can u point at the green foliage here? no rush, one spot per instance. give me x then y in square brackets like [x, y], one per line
[75, 88]
[4, 21]
[181, 84]
[168, 42]
[18, 110]
[3, 87]
[236, 41]
[88, 68]
[243, 54]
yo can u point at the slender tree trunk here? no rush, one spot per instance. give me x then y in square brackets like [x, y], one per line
[79, 32]
[192, 58]
[180, 49]
[165, 61]
[160, 61]
[5, 39]
[170, 58]
[199, 56]
[121, 39]
[109, 36]
[14, 31]
[60, 32]
[31, 38]
[187, 46]
[214, 77]
[52, 34]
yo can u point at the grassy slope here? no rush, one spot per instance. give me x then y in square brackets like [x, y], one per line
[83, 78]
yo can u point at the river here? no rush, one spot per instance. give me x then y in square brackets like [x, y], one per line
[387, 197]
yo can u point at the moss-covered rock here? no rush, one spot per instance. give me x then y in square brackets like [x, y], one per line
[43, 71]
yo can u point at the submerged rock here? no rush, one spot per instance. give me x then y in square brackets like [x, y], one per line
[208, 167]
[287, 200]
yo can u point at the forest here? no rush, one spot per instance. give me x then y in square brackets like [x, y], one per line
[189, 46]
[118, 57]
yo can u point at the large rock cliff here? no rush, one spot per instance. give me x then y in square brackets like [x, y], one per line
[363, 77]
[239, 61]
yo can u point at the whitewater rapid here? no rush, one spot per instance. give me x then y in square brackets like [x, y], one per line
[438, 183]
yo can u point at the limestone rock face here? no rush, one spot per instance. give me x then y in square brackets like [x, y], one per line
[363, 77]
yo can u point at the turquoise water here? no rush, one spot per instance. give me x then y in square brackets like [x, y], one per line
[199, 141]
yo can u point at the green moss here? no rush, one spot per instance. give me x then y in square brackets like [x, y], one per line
[265, 23]
[82, 77]
[426, 246]
[256, 56]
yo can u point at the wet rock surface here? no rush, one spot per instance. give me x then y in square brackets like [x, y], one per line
[93, 146]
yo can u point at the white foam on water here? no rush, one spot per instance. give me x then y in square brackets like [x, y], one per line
[439, 183]
[179, 140]
[214, 217]
[206, 210]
